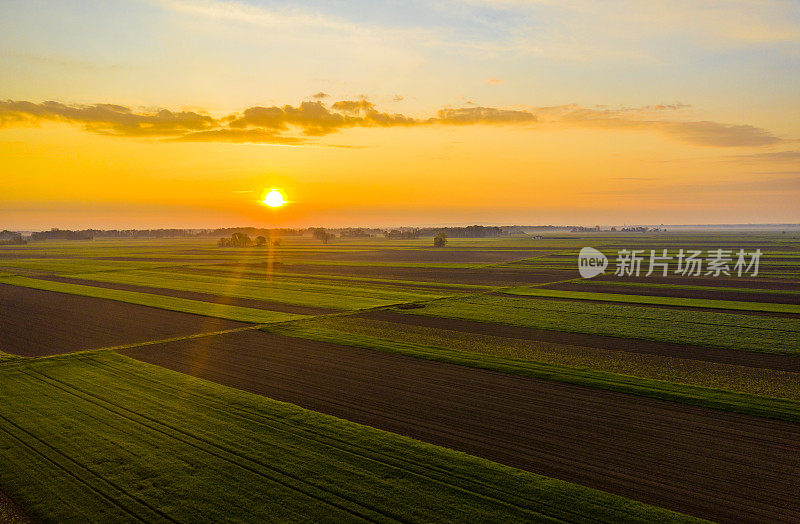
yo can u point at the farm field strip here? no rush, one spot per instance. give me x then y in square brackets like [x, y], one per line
[791, 283]
[319, 294]
[772, 361]
[279, 272]
[208, 309]
[238, 455]
[776, 408]
[649, 450]
[490, 276]
[698, 303]
[226, 299]
[678, 291]
[695, 367]
[76, 265]
[693, 327]
[649, 286]
[37, 322]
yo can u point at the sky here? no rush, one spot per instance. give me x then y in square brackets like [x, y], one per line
[177, 113]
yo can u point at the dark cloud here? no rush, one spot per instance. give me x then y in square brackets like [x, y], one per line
[320, 95]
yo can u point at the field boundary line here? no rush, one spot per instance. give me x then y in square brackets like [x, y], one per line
[84, 352]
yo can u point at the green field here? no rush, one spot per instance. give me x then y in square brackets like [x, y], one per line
[657, 301]
[304, 292]
[240, 456]
[114, 439]
[703, 328]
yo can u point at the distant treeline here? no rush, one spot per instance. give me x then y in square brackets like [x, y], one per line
[320, 233]
[11, 238]
[61, 234]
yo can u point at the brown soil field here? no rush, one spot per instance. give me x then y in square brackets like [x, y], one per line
[432, 255]
[37, 323]
[713, 464]
[269, 305]
[707, 354]
[714, 294]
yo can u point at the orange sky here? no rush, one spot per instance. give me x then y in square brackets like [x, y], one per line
[476, 143]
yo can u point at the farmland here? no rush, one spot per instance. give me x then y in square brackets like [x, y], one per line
[378, 379]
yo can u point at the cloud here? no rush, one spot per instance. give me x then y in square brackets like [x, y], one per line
[320, 95]
[106, 118]
[243, 13]
[281, 125]
[239, 136]
[313, 117]
[483, 115]
[398, 98]
[702, 133]
[353, 106]
[668, 107]
[776, 156]
[719, 135]
[494, 81]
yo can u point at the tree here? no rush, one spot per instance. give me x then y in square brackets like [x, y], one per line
[261, 241]
[224, 242]
[241, 240]
[322, 235]
[440, 240]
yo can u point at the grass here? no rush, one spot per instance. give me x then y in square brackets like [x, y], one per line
[782, 409]
[112, 439]
[702, 328]
[208, 309]
[654, 300]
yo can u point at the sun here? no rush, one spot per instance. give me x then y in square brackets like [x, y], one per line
[274, 199]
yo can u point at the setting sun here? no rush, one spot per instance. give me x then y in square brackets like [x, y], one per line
[274, 199]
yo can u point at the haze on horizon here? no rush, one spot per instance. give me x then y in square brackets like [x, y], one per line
[171, 113]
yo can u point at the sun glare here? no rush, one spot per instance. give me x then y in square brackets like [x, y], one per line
[273, 199]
